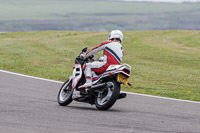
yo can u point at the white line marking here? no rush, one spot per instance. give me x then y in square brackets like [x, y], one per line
[167, 98]
[27, 76]
[55, 81]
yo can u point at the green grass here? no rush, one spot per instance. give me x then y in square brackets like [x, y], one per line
[164, 63]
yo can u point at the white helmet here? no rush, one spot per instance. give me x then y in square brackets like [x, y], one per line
[116, 34]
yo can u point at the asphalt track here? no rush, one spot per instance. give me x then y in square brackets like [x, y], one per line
[28, 105]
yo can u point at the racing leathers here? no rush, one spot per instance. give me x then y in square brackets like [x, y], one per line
[112, 55]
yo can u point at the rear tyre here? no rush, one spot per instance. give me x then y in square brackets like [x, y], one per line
[108, 97]
[65, 94]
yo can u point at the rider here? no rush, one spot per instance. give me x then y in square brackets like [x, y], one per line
[113, 53]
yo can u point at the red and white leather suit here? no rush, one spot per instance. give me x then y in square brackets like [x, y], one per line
[113, 54]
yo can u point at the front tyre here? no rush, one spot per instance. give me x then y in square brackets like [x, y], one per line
[65, 94]
[108, 97]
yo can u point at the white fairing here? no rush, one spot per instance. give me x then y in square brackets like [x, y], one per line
[113, 67]
[119, 67]
[77, 73]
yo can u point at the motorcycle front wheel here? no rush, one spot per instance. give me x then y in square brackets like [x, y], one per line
[65, 94]
[108, 97]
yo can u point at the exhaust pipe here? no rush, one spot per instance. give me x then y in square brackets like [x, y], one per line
[98, 86]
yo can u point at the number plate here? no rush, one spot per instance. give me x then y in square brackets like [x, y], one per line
[122, 79]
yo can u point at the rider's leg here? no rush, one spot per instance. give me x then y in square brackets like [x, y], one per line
[88, 77]
[98, 66]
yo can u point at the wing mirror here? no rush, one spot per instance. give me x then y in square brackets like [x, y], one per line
[84, 49]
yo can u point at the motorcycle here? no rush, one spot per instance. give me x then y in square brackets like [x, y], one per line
[105, 89]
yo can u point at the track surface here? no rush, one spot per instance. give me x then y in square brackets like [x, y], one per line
[29, 106]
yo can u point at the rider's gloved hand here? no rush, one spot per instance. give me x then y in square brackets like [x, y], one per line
[83, 56]
[101, 58]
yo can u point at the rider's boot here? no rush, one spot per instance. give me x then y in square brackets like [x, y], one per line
[87, 84]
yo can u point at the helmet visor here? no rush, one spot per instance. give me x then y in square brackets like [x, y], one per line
[115, 39]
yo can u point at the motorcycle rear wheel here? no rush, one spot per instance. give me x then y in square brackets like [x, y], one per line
[108, 97]
[65, 94]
